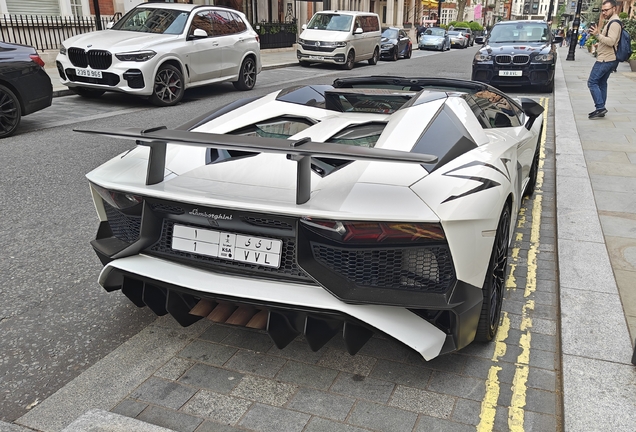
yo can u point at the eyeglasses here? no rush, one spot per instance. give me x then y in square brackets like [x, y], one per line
[607, 10]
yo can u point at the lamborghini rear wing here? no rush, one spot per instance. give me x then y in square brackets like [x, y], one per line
[301, 151]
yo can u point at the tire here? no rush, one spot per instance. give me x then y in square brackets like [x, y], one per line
[88, 93]
[548, 88]
[247, 75]
[168, 86]
[10, 112]
[304, 63]
[395, 54]
[351, 59]
[409, 52]
[494, 285]
[534, 169]
[376, 56]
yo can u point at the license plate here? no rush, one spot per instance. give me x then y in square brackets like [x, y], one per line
[90, 73]
[230, 246]
[510, 73]
[316, 58]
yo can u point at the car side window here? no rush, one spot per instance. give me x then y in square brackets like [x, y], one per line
[479, 113]
[238, 23]
[499, 111]
[222, 24]
[201, 21]
[369, 23]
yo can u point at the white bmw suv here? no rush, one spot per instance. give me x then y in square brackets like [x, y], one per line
[159, 50]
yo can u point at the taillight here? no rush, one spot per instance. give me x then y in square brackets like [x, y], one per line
[119, 200]
[376, 232]
[258, 39]
[36, 58]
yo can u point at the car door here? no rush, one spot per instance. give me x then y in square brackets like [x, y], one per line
[205, 56]
[403, 41]
[234, 39]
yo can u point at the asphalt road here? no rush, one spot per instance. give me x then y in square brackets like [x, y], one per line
[55, 320]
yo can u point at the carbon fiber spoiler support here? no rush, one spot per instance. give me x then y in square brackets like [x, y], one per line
[301, 151]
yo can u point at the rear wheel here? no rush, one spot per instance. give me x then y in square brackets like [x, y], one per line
[409, 52]
[168, 87]
[376, 55]
[548, 88]
[87, 92]
[351, 59]
[305, 64]
[247, 75]
[10, 112]
[494, 284]
[395, 54]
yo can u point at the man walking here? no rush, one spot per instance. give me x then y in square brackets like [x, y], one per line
[606, 61]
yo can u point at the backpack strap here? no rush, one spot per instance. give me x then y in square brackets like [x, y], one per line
[619, 34]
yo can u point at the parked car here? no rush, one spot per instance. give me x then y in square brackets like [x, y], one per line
[275, 211]
[468, 33]
[24, 86]
[517, 53]
[159, 50]
[458, 39]
[479, 39]
[434, 38]
[340, 37]
[395, 44]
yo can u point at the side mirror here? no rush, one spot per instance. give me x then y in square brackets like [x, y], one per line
[358, 31]
[198, 34]
[304, 27]
[532, 109]
[110, 24]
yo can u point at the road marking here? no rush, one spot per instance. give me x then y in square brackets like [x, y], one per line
[516, 411]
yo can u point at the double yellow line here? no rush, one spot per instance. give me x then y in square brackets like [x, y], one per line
[519, 383]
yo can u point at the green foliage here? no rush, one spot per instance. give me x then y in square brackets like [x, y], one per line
[633, 56]
[630, 26]
[556, 21]
[461, 24]
[591, 40]
[475, 26]
[592, 17]
[623, 15]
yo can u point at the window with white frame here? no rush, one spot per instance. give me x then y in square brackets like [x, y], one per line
[76, 7]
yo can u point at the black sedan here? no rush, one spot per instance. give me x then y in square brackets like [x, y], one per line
[24, 85]
[395, 43]
[517, 53]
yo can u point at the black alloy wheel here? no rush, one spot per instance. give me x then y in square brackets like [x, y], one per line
[409, 52]
[376, 56]
[494, 284]
[247, 75]
[395, 53]
[351, 59]
[10, 112]
[304, 63]
[87, 93]
[168, 89]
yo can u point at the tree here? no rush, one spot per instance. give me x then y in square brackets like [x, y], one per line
[461, 5]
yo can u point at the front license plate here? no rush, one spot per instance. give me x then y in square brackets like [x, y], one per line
[316, 58]
[510, 73]
[234, 247]
[90, 73]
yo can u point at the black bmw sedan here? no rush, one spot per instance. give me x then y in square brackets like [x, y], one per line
[24, 85]
[517, 53]
[394, 44]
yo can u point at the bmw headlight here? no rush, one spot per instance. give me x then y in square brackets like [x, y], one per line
[387, 46]
[482, 57]
[136, 56]
[62, 49]
[544, 57]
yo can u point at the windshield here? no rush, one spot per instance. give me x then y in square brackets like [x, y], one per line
[390, 33]
[523, 32]
[331, 22]
[454, 33]
[163, 21]
[434, 32]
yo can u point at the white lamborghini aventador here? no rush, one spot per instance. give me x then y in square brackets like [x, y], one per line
[379, 204]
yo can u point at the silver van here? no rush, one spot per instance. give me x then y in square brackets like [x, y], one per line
[340, 37]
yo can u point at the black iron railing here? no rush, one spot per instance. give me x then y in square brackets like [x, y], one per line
[46, 32]
[276, 34]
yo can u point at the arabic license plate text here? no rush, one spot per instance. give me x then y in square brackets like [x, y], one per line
[90, 73]
[510, 73]
[234, 247]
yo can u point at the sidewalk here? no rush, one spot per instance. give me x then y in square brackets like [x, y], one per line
[596, 238]
[596, 226]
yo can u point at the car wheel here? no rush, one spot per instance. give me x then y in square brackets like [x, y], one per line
[534, 169]
[304, 63]
[10, 112]
[548, 88]
[395, 54]
[87, 92]
[168, 89]
[247, 75]
[494, 284]
[351, 59]
[409, 52]
[376, 56]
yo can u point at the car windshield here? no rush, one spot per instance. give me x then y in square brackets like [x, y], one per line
[434, 32]
[335, 22]
[520, 32]
[163, 21]
[390, 33]
[454, 33]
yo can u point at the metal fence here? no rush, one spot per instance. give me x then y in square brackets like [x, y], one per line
[46, 32]
[276, 34]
